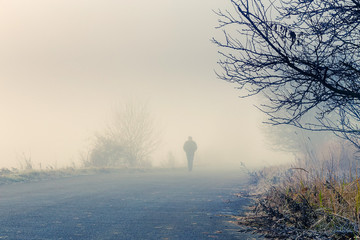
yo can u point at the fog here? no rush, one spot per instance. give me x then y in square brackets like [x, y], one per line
[65, 66]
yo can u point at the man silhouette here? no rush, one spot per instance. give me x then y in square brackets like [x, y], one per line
[190, 147]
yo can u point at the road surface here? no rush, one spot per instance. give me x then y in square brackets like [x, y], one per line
[124, 205]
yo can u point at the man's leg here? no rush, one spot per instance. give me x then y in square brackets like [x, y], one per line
[190, 158]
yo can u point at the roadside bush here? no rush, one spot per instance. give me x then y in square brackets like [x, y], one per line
[106, 152]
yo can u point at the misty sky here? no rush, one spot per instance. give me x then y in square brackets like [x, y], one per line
[66, 64]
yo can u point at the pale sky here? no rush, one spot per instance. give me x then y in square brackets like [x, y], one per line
[65, 64]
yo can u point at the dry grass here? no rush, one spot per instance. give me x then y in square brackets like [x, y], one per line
[310, 201]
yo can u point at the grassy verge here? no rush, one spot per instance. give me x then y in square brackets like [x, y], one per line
[305, 203]
[14, 176]
[8, 176]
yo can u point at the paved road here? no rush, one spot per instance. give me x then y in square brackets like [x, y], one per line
[123, 205]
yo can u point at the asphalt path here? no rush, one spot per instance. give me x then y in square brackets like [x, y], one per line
[125, 205]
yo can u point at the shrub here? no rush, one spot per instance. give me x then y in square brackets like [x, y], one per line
[106, 152]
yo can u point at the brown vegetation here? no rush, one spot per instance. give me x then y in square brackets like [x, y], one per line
[317, 201]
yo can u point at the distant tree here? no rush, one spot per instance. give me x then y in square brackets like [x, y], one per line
[303, 55]
[135, 129]
[128, 140]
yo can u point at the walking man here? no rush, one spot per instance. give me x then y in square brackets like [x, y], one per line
[190, 147]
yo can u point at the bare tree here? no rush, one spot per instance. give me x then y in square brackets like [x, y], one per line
[303, 55]
[134, 127]
[129, 139]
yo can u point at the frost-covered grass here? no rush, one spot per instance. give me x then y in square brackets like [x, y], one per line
[15, 175]
[312, 199]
